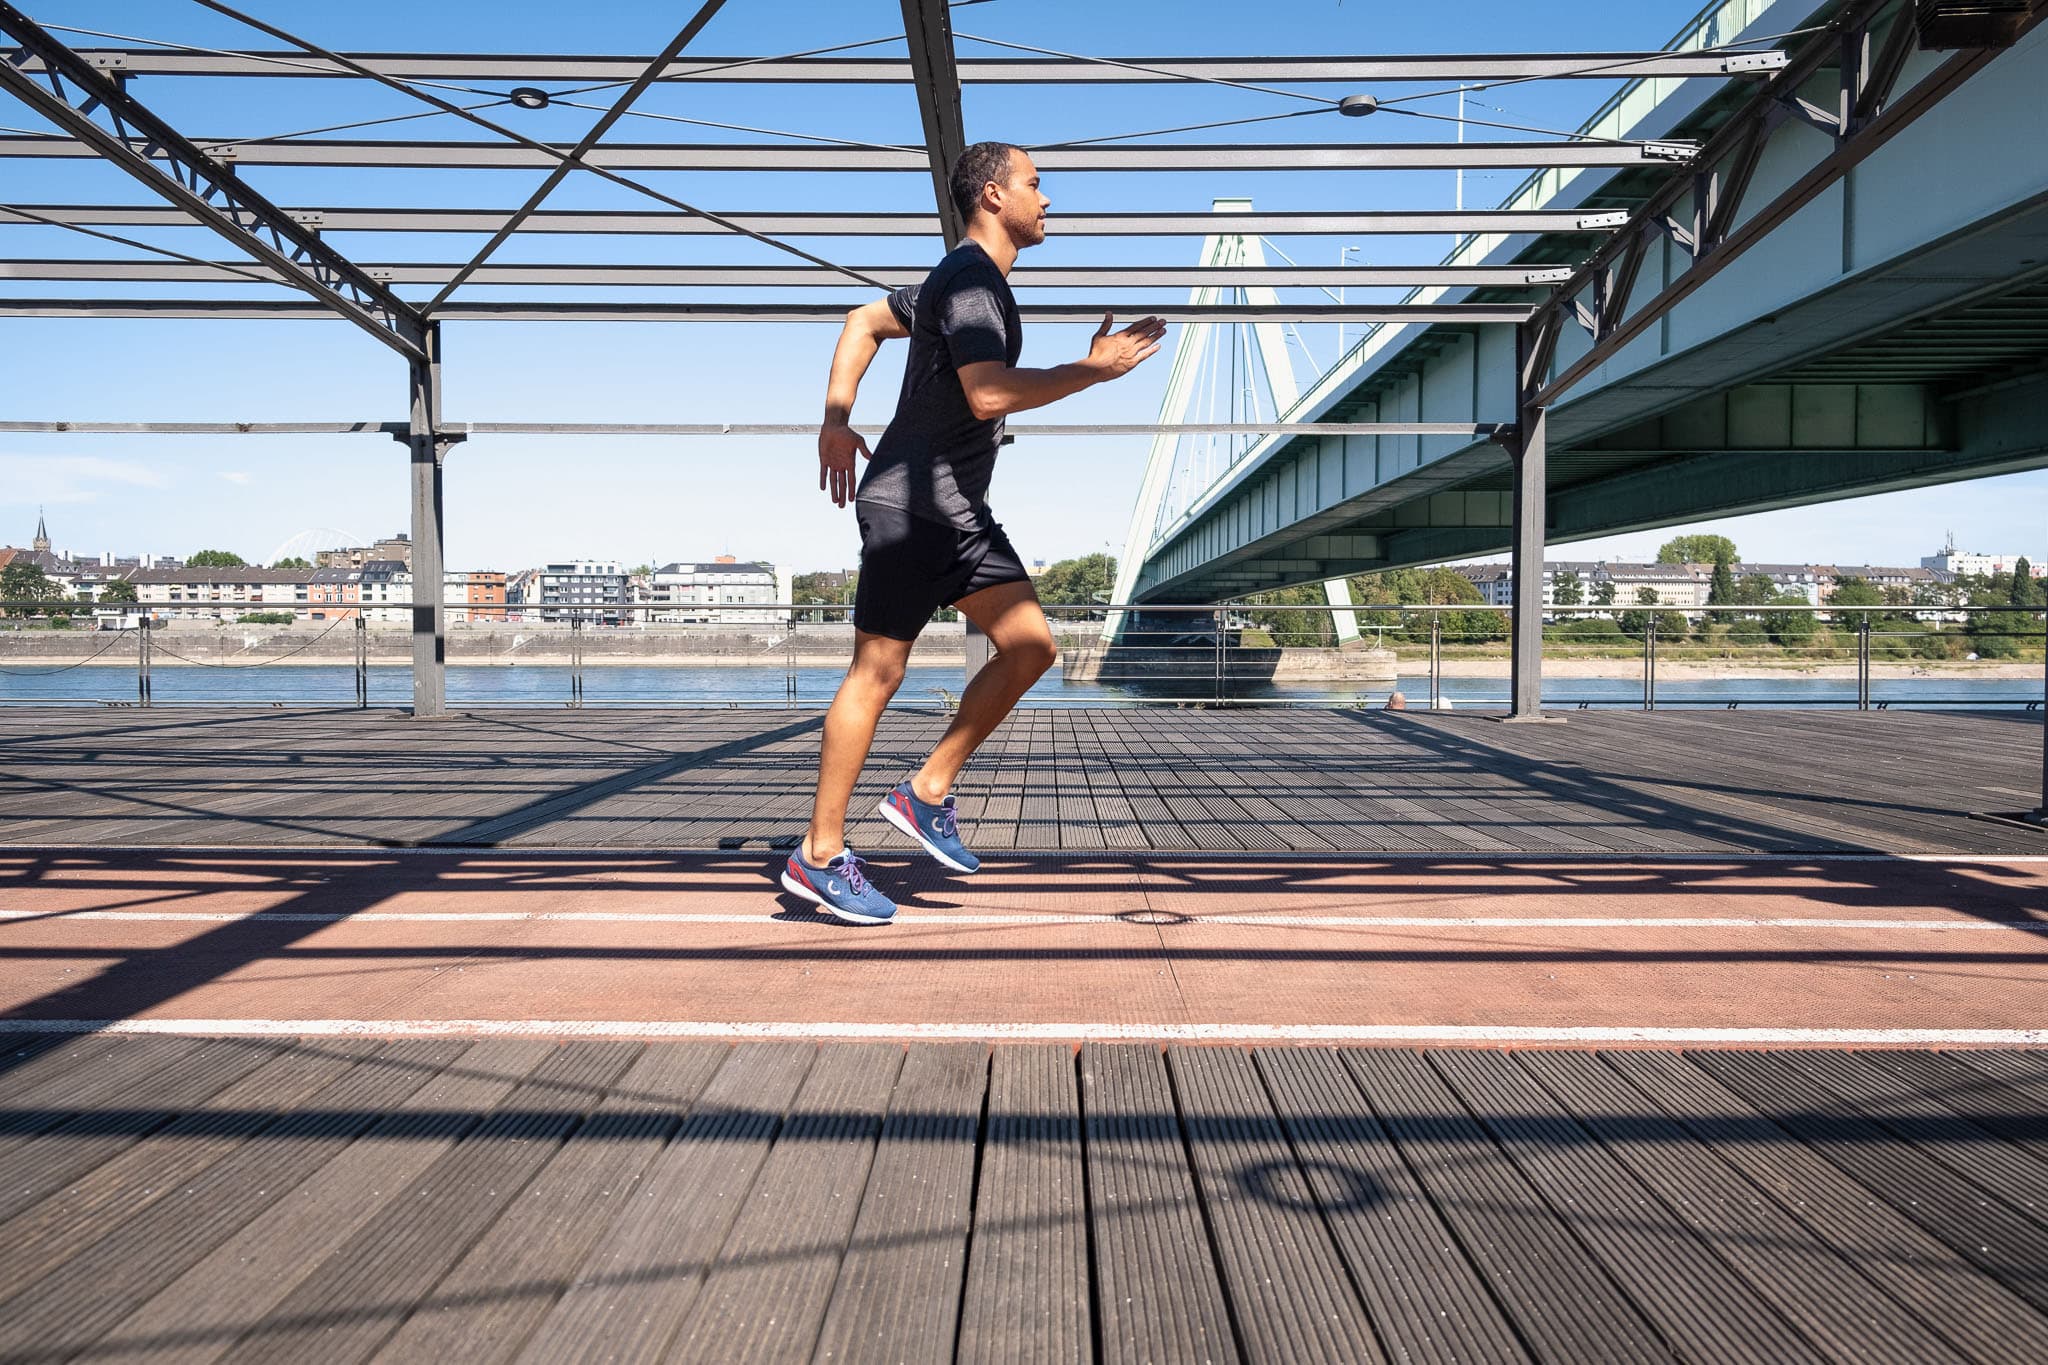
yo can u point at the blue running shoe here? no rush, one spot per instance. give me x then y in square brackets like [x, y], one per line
[840, 887]
[936, 827]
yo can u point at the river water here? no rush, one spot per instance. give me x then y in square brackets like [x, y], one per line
[548, 685]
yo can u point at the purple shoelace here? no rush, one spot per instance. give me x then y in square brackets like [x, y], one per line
[949, 821]
[849, 867]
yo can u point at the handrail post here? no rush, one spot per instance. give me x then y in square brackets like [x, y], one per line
[1218, 618]
[362, 662]
[1436, 661]
[575, 661]
[1650, 666]
[142, 661]
[1863, 662]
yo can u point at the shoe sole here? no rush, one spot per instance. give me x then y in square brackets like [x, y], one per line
[895, 817]
[797, 888]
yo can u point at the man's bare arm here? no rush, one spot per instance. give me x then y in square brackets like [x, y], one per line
[994, 389]
[867, 327]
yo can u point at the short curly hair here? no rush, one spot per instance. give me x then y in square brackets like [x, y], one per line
[977, 166]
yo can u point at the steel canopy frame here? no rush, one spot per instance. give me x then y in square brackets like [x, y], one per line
[288, 243]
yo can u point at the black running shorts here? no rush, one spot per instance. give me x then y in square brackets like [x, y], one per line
[911, 566]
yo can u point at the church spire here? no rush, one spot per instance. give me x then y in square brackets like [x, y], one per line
[41, 544]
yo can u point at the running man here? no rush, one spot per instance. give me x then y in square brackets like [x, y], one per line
[927, 538]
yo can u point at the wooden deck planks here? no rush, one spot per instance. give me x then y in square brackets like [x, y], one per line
[1935, 1281]
[348, 1305]
[435, 1199]
[1292, 1296]
[1027, 1299]
[1778, 1257]
[644, 1272]
[1556, 1293]
[1428, 1302]
[767, 1295]
[899, 1288]
[1159, 1294]
[148, 1250]
[488, 1304]
[2003, 1241]
[199, 1316]
[1609, 782]
[1696, 1303]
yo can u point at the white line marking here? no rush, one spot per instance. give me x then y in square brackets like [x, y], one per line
[1167, 919]
[996, 860]
[1061, 1032]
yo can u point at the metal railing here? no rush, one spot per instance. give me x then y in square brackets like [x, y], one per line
[1230, 654]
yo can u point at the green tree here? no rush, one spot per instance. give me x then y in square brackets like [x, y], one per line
[1603, 593]
[1078, 582]
[823, 590]
[1430, 588]
[264, 618]
[1851, 591]
[1790, 628]
[1292, 629]
[1697, 550]
[1722, 592]
[1755, 590]
[217, 559]
[1566, 590]
[25, 584]
[640, 571]
[2025, 591]
[120, 590]
[1670, 624]
[293, 562]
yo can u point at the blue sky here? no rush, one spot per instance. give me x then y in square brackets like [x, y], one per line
[517, 501]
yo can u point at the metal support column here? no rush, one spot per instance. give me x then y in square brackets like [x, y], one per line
[977, 647]
[429, 446]
[1526, 693]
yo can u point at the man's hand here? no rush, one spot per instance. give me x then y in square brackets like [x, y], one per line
[836, 444]
[1118, 353]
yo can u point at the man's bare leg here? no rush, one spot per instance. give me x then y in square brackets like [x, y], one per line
[877, 672]
[1010, 616]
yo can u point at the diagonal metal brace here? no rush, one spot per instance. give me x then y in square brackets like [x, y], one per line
[929, 29]
[152, 152]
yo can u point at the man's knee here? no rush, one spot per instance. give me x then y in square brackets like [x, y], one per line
[880, 671]
[1036, 653]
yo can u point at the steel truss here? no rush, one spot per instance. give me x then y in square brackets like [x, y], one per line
[1860, 53]
[156, 155]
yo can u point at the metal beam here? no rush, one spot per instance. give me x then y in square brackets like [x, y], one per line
[864, 224]
[458, 429]
[583, 146]
[1530, 449]
[1857, 144]
[789, 157]
[811, 277]
[928, 29]
[973, 70]
[153, 153]
[1453, 314]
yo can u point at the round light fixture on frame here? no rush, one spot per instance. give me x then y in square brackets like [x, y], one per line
[529, 97]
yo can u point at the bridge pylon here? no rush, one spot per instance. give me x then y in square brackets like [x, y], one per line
[1268, 367]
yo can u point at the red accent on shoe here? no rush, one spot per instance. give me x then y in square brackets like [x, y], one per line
[796, 866]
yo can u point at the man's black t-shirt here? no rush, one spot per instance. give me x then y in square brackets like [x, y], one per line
[936, 458]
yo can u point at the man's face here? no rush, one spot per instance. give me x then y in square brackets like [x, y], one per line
[1021, 208]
